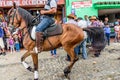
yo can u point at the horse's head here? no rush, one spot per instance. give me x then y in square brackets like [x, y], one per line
[14, 19]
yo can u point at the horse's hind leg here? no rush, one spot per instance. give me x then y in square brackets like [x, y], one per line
[73, 57]
[24, 63]
[35, 62]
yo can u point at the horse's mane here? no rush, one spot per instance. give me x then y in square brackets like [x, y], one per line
[26, 16]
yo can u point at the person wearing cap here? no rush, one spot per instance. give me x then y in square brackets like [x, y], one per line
[71, 19]
[94, 22]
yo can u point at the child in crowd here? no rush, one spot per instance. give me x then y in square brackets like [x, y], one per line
[11, 43]
[17, 45]
[107, 31]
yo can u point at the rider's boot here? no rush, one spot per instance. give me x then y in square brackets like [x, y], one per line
[39, 41]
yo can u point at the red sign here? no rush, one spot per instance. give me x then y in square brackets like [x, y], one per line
[79, 4]
[4, 3]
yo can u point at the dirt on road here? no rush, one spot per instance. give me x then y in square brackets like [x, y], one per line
[105, 67]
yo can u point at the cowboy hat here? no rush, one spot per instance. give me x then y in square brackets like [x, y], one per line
[93, 18]
[71, 16]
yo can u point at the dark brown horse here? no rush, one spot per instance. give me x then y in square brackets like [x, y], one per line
[69, 39]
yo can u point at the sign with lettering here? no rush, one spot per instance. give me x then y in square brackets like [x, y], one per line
[4, 3]
[82, 3]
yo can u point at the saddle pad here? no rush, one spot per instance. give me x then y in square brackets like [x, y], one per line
[54, 30]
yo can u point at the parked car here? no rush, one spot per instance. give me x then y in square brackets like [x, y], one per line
[112, 34]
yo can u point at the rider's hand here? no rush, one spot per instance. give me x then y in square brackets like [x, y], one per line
[42, 12]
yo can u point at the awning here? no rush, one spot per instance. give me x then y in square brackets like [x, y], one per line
[107, 5]
[108, 11]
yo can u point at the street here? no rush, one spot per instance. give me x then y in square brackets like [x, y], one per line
[105, 67]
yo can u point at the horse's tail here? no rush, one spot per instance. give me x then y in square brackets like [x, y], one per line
[97, 37]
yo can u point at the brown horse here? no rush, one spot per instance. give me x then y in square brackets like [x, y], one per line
[69, 39]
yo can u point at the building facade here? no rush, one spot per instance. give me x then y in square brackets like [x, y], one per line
[101, 8]
[33, 6]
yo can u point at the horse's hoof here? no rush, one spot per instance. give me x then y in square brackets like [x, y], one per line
[35, 79]
[30, 69]
[119, 58]
[66, 72]
[67, 76]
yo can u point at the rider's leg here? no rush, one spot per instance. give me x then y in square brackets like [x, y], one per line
[39, 32]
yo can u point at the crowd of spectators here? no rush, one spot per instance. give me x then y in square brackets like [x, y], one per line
[93, 21]
[9, 42]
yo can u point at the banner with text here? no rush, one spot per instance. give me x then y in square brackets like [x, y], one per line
[82, 3]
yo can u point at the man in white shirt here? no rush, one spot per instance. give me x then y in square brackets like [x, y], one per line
[82, 24]
[71, 19]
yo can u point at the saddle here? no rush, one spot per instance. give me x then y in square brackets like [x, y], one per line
[52, 30]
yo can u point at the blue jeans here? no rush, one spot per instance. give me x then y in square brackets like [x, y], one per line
[17, 46]
[45, 22]
[83, 46]
[77, 50]
[108, 38]
[53, 52]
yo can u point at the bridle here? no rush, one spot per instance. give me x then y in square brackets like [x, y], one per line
[13, 16]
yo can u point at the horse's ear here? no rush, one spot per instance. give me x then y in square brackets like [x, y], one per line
[14, 5]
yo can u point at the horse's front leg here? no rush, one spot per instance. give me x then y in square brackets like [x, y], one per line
[35, 62]
[73, 58]
[24, 63]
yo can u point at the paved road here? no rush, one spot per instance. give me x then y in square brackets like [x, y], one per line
[106, 67]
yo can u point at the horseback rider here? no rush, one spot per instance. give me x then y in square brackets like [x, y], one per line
[48, 14]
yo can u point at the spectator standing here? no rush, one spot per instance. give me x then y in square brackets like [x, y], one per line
[94, 22]
[101, 23]
[117, 29]
[71, 20]
[106, 20]
[107, 31]
[87, 20]
[17, 44]
[2, 46]
[82, 24]
[7, 34]
[11, 43]
[88, 24]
